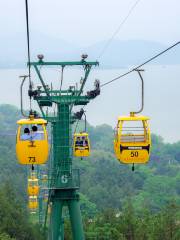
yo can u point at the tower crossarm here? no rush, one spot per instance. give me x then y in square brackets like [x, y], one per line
[65, 99]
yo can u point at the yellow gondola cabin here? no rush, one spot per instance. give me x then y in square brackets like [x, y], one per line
[44, 177]
[81, 146]
[32, 141]
[33, 203]
[33, 187]
[132, 139]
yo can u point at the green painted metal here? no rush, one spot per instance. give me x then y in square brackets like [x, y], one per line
[65, 180]
[75, 63]
[40, 210]
[55, 219]
[76, 220]
[43, 184]
[76, 100]
[62, 229]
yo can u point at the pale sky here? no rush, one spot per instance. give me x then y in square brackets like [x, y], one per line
[86, 22]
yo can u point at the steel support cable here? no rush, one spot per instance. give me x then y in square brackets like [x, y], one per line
[77, 123]
[118, 29]
[142, 91]
[142, 64]
[28, 41]
[85, 125]
[62, 76]
[28, 46]
[21, 95]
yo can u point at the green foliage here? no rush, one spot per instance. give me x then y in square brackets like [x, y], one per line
[4, 236]
[116, 203]
[88, 209]
[128, 225]
[108, 183]
[8, 116]
[14, 217]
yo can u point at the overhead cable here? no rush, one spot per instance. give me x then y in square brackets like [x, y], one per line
[28, 41]
[144, 63]
[118, 29]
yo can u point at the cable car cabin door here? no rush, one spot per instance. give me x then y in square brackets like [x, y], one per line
[32, 151]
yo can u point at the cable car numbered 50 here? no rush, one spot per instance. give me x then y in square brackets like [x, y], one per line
[32, 141]
[132, 141]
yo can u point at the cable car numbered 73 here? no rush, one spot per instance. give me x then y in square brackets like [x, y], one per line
[32, 141]
[132, 141]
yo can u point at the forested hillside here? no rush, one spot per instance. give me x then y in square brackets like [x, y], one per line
[108, 183]
[116, 202]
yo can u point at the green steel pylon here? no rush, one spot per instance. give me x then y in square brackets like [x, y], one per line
[65, 180]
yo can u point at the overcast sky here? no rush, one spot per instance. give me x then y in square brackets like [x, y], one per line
[86, 22]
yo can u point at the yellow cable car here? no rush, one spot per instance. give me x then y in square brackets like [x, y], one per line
[33, 187]
[81, 146]
[33, 203]
[32, 141]
[132, 139]
[44, 177]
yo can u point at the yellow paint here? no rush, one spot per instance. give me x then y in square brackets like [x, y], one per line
[132, 148]
[81, 151]
[33, 187]
[33, 202]
[133, 118]
[32, 151]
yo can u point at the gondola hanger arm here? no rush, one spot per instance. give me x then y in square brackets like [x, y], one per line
[142, 92]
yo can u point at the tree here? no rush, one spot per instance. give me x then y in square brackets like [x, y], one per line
[4, 236]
